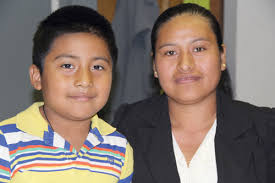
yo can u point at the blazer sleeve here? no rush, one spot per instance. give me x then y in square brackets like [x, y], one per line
[120, 121]
[272, 128]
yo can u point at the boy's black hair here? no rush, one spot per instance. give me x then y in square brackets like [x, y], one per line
[194, 9]
[71, 19]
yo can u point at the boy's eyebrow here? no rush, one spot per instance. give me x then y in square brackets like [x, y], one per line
[76, 57]
[164, 45]
[66, 56]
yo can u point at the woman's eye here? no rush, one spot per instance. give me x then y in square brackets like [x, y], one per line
[170, 52]
[98, 67]
[67, 66]
[199, 49]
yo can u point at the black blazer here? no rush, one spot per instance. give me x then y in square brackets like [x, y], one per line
[244, 141]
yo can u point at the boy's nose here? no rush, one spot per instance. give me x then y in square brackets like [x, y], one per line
[84, 78]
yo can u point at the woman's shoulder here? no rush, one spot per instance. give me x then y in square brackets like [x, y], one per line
[252, 109]
[139, 113]
[263, 117]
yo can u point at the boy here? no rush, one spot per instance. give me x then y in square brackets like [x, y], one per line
[62, 139]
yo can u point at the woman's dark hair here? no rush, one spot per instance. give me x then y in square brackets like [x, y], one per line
[194, 9]
[71, 19]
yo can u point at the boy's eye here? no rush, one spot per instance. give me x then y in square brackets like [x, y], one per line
[98, 67]
[199, 49]
[67, 66]
[170, 52]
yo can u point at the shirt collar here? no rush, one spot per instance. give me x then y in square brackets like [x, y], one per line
[32, 122]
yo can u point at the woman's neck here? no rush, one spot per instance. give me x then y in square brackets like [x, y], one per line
[193, 117]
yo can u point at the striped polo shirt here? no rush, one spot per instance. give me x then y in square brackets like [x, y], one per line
[31, 152]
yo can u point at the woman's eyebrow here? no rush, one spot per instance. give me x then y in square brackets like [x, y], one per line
[102, 58]
[200, 39]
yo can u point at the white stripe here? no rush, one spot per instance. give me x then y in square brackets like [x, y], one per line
[118, 141]
[67, 166]
[58, 141]
[93, 139]
[31, 150]
[15, 137]
[99, 163]
[4, 151]
[39, 161]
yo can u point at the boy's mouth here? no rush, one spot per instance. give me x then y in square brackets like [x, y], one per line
[82, 98]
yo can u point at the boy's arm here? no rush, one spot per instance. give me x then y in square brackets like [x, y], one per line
[127, 168]
[4, 160]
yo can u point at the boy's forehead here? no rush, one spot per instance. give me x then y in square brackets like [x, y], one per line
[73, 45]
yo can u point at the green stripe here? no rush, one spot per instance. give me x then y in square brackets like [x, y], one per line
[106, 152]
[37, 149]
[7, 173]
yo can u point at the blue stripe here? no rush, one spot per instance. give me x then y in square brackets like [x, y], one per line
[4, 163]
[77, 168]
[9, 128]
[67, 145]
[103, 155]
[113, 147]
[127, 179]
[103, 161]
[47, 160]
[33, 153]
[3, 141]
[4, 177]
[24, 144]
[88, 144]
[116, 134]
[97, 134]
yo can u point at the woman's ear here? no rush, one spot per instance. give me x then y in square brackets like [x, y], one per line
[35, 77]
[154, 66]
[223, 58]
[155, 70]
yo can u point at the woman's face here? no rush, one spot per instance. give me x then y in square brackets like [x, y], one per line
[188, 62]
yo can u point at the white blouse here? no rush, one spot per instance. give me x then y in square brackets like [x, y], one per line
[202, 167]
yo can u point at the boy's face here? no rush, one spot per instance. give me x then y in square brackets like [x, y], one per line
[77, 76]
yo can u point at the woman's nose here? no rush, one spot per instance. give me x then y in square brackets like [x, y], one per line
[186, 62]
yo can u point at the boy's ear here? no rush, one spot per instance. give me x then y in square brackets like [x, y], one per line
[35, 77]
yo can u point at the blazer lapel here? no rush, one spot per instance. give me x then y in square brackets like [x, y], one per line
[158, 148]
[238, 153]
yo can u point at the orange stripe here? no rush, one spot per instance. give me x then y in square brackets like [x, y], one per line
[32, 146]
[5, 168]
[64, 164]
[86, 147]
[71, 148]
[110, 150]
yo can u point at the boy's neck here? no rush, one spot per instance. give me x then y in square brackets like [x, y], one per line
[75, 132]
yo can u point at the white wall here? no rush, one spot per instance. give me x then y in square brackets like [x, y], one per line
[19, 20]
[253, 49]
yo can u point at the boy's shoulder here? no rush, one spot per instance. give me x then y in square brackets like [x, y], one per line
[8, 124]
[105, 128]
[29, 120]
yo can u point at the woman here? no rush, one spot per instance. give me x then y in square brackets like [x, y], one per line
[195, 132]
